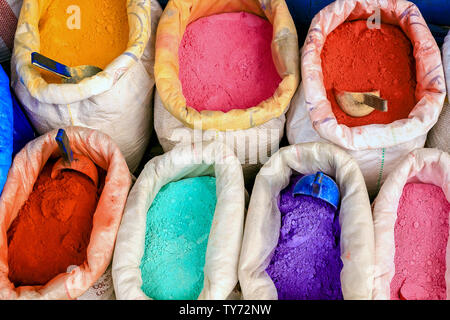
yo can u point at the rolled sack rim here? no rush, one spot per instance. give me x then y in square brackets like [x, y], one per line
[106, 218]
[429, 75]
[446, 60]
[27, 40]
[171, 28]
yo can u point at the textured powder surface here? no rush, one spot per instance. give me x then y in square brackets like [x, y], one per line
[306, 264]
[358, 59]
[178, 225]
[102, 37]
[421, 236]
[226, 62]
[52, 229]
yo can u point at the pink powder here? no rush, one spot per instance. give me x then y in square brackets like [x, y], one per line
[421, 235]
[226, 62]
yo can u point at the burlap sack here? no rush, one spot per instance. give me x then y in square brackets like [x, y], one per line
[23, 174]
[423, 166]
[439, 136]
[263, 223]
[376, 148]
[116, 101]
[225, 238]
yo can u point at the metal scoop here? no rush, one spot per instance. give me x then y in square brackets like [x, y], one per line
[69, 161]
[69, 74]
[360, 104]
[320, 186]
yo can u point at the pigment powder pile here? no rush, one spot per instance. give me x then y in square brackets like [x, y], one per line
[421, 236]
[178, 225]
[99, 38]
[306, 264]
[226, 62]
[52, 229]
[358, 59]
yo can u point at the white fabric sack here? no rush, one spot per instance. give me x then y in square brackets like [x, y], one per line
[439, 136]
[376, 148]
[375, 164]
[263, 223]
[117, 101]
[253, 147]
[8, 24]
[225, 238]
[430, 166]
[103, 288]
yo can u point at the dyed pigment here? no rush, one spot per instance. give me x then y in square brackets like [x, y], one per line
[226, 62]
[102, 36]
[358, 59]
[52, 229]
[306, 264]
[178, 225]
[421, 236]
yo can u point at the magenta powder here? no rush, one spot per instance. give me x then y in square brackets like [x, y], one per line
[421, 236]
[226, 62]
[306, 264]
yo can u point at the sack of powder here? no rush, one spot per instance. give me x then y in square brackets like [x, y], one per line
[225, 238]
[377, 148]
[8, 22]
[439, 135]
[426, 166]
[255, 132]
[6, 128]
[263, 222]
[23, 174]
[117, 101]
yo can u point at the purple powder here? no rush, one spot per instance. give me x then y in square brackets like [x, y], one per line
[306, 264]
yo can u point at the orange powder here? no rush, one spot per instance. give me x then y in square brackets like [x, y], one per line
[52, 229]
[358, 59]
[102, 37]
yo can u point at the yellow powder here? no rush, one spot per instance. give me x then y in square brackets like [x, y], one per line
[102, 37]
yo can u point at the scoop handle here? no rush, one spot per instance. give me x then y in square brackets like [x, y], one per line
[64, 146]
[376, 102]
[48, 64]
[317, 184]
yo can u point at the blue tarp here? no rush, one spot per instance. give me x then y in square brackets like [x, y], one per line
[434, 11]
[6, 128]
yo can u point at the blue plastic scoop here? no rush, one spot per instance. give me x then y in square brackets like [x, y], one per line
[320, 186]
[69, 74]
[71, 161]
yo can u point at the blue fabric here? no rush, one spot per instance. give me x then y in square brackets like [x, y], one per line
[163, 3]
[23, 132]
[6, 128]
[435, 12]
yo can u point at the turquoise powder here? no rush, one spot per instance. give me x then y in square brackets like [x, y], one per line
[178, 225]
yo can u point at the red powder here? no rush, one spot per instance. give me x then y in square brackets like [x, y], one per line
[358, 59]
[226, 62]
[52, 229]
[421, 235]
